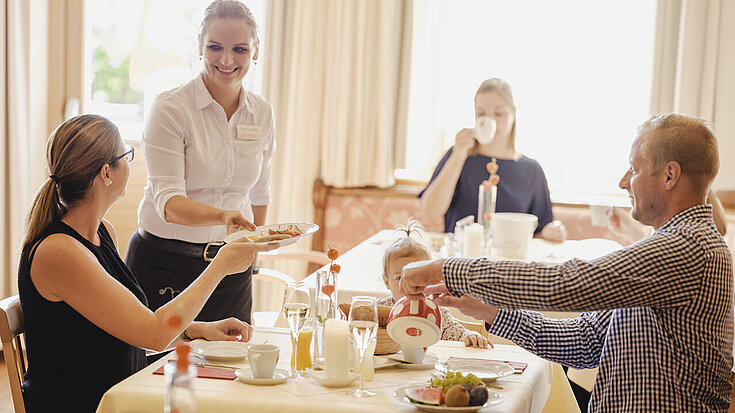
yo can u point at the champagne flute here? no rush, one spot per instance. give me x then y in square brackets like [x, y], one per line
[364, 329]
[296, 309]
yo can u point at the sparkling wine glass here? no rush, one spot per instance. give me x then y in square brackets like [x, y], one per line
[296, 308]
[363, 328]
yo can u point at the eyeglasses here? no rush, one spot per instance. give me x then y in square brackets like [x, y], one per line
[129, 155]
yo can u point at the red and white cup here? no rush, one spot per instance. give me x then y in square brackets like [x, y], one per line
[415, 322]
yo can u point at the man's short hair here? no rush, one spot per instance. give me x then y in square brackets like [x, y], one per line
[687, 140]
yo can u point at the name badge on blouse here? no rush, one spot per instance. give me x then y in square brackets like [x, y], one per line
[248, 132]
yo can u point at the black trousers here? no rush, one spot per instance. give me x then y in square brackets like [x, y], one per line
[163, 275]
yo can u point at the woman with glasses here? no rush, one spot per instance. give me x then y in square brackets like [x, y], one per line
[208, 146]
[81, 304]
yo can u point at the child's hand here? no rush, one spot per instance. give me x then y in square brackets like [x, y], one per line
[477, 341]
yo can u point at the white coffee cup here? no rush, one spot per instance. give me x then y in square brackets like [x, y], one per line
[485, 127]
[598, 213]
[414, 355]
[263, 359]
[512, 232]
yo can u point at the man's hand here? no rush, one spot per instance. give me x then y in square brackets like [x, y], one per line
[465, 304]
[418, 275]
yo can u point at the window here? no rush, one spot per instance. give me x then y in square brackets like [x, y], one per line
[136, 49]
[580, 72]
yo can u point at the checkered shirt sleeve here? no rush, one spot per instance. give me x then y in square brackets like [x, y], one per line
[658, 315]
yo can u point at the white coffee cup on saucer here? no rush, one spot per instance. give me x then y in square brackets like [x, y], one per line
[414, 355]
[485, 127]
[263, 359]
[598, 214]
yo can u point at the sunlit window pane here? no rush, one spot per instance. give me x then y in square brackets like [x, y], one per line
[580, 72]
[136, 49]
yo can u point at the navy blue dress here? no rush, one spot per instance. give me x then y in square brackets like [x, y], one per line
[522, 188]
[72, 362]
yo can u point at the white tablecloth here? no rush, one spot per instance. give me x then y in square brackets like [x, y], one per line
[144, 391]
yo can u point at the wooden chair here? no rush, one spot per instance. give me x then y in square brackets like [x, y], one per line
[11, 332]
[268, 289]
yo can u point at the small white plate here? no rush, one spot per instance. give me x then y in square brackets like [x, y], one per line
[220, 350]
[382, 363]
[325, 381]
[306, 228]
[246, 376]
[493, 399]
[429, 362]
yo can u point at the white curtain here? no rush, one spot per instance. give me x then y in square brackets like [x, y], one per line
[694, 69]
[24, 68]
[336, 73]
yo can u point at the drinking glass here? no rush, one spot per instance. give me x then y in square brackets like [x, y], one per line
[364, 328]
[296, 308]
[301, 353]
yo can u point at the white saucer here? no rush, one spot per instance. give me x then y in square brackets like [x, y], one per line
[220, 350]
[325, 381]
[246, 376]
[429, 362]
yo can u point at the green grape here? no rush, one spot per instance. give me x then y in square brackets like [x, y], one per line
[451, 378]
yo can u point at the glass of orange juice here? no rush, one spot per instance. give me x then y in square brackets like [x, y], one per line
[302, 355]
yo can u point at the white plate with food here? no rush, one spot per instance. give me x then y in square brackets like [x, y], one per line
[486, 370]
[282, 234]
[220, 350]
[430, 399]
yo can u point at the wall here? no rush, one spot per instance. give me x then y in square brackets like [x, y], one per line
[124, 213]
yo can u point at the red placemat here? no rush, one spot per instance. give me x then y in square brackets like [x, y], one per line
[518, 367]
[209, 373]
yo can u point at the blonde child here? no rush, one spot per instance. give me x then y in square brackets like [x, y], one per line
[405, 250]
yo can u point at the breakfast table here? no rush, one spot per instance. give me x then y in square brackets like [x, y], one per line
[144, 391]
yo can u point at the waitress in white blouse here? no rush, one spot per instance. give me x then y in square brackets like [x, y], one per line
[208, 146]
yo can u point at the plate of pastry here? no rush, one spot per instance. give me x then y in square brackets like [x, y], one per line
[282, 234]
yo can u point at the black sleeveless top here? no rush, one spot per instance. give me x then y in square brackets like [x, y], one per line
[72, 362]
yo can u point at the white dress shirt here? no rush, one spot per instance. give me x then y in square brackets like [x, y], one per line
[191, 149]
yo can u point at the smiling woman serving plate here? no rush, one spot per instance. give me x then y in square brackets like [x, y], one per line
[208, 146]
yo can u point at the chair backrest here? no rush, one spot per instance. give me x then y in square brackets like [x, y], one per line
[268, 289]
[269, 286]
[314, 259]
[11, 333]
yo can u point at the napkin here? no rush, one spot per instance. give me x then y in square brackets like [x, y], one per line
[209, 373]
[518, 367]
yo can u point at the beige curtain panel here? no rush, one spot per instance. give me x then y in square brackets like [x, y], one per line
[336, 73]
[23, 83]
[694, 68]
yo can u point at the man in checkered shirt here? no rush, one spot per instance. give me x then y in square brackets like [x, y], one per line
[659, 315]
